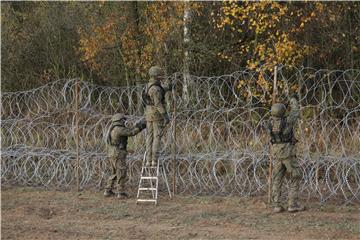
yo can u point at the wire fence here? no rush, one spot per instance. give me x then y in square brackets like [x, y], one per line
[221, 143]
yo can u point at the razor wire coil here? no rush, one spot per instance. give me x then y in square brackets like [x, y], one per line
[221, 142]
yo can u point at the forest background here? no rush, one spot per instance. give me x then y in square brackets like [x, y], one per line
[115, 43]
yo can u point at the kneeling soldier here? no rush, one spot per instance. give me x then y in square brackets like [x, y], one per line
[281, 130]
[116, 141]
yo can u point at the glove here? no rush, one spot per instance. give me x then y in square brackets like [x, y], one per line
[168, 86]
[293, 98]
[141, 124]
[293, 102]
[294, 95]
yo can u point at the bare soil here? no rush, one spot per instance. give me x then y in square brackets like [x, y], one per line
[33, 213]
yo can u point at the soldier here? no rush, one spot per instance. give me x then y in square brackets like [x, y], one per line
[281, 130]
[155, 114]
[117, 139]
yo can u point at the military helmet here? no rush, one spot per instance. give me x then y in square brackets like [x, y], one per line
[278, 110]
[118, 117]
[156, 71]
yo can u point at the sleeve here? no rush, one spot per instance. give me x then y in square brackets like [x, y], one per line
[293, 116]
[155, 95]
[127, 131]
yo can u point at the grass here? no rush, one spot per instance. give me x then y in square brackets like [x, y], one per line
[30, 213]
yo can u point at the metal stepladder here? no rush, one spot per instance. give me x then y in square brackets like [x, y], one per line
[149, 181]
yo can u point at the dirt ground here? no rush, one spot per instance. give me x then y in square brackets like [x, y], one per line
[32, 213]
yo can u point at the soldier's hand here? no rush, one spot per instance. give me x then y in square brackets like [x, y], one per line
[293, 103]
[168, 86]
[141, 124]
[171, 86]
[294, 95]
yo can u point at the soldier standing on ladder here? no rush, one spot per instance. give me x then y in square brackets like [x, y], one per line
[155, 114]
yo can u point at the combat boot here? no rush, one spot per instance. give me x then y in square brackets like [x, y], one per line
[108, 193]
[296, 208]
[122, 195]
[278, 209]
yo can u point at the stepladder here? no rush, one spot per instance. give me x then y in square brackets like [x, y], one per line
[148, 189]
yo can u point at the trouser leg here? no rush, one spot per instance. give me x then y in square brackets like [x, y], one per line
[294, 171]
[278, 176]
[121, 172]
[149, 140]
[158, 133]
[112, 178]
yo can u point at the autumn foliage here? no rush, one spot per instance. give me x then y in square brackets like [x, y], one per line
[116, 42]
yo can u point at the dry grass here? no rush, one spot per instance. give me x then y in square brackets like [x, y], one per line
[31, 213]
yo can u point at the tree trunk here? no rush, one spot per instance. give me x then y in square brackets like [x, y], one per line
[135, 21]
[186, 69]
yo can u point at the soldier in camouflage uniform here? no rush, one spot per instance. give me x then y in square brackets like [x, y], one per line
[155, 114]
[117, 139]
[281, 130]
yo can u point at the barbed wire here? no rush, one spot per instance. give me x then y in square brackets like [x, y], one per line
[221, 142]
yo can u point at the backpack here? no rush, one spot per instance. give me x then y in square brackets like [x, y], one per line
[122, 141]
[277, 135]
[146, 99]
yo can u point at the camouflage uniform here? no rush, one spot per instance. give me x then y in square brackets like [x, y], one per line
[155, 115]
[281, 130]
[117, 139]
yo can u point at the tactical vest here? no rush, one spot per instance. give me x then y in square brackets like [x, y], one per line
[121, 142]
[277, 135]
[145, 94]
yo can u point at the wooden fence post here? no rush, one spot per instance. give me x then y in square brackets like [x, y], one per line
[174, 141]
[77, 89]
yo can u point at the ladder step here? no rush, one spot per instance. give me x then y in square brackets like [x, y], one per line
[148, 177]
[147, 189]
[146, 200]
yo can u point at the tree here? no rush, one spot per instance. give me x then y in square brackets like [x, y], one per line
[115, 43]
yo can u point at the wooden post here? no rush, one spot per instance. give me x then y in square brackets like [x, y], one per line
[174, 141]
[270, 148]
[77, 88]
